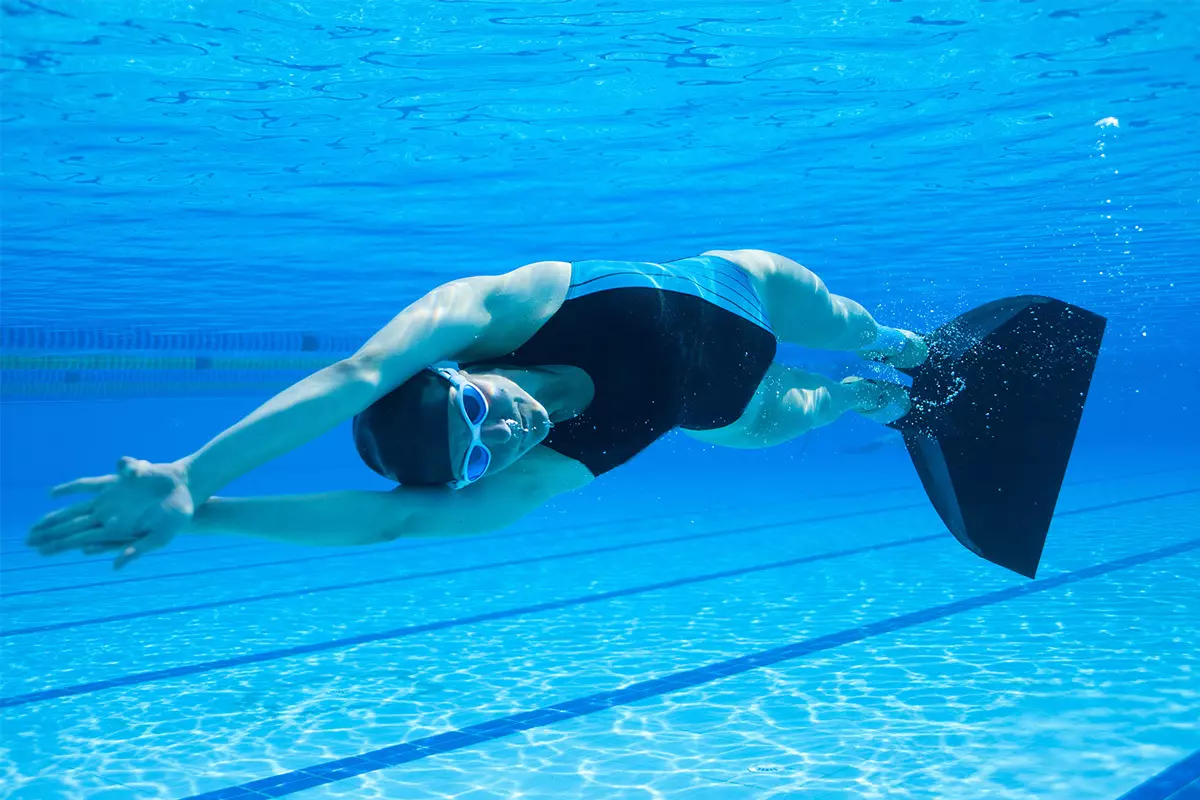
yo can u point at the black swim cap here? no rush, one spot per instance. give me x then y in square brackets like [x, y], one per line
[405, 435]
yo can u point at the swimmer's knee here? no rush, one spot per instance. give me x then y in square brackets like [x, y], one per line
[757, 262]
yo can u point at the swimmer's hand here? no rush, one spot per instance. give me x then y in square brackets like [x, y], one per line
[138, 509]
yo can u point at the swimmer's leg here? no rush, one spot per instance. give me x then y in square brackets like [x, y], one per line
[790, 402]
[803, 311]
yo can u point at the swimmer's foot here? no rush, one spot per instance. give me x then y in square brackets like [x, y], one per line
[897, 348]
[879, 401]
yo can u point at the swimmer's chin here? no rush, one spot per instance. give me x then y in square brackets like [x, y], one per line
[535, 425]
[539, 423]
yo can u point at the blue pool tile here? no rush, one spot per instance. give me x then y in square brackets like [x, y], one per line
[723, 670]
[1177, 779]
[631, 694]
[230, 793]
[1189, 792]
[673, 681]
[397, 754]
[299, 781]
[533, 719]
[1168, 783]
[504, 727]
[287, 783]
[589, 704]
[451, 740]
[931, 614]
[491, 726]
[342, 768]
[605, 699]
[756, 660]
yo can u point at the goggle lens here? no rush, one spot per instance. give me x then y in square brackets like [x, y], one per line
[477, 462]
[473, 404]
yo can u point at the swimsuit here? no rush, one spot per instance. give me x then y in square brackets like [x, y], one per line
[682, 344]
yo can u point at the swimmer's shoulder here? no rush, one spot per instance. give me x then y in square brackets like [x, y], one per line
[540, 286]
[519, 303]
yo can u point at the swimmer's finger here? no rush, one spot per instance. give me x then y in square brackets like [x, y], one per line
[83, 485]
[76, 541]
[63, 514]
[48, 537]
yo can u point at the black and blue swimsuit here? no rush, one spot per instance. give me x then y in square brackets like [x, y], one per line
[682, 344]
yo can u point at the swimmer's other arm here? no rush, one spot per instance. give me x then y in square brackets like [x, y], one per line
[361, 518]
[460, 319]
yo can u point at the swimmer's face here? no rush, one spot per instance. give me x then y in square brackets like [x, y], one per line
[514, 425]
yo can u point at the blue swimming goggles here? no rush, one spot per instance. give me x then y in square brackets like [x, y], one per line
[473, 406]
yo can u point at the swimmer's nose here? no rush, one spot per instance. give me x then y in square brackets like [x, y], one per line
[506, 430]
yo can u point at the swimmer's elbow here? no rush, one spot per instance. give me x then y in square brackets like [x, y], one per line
[490, 505]
[362, 371]
[396, 520]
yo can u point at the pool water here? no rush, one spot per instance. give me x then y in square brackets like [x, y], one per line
[204, 202]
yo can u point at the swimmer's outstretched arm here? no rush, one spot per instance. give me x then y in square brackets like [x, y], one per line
[347, 518]
[142, 506]
[440, 326]
[332, 519]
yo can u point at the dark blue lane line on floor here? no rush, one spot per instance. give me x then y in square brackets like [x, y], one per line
[323, 557]
[1168, 784]
[160, 554]
[612, 548]
[499, 727]
[411, 630]
[152, 612]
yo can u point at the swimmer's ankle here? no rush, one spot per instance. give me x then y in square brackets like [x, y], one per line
[896, 347]
[879, 401]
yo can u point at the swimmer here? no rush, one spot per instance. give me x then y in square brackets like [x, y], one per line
[491, 395]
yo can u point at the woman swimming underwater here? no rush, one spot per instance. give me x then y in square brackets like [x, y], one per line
[493, 394]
